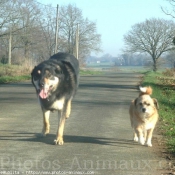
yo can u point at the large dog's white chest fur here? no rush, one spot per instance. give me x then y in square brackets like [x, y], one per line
[58, 104]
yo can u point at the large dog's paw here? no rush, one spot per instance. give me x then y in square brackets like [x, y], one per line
[59, 141]
[45, 131]
[42, 134]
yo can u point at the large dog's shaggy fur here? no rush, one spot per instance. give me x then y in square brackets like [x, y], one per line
[144, 116]
[56, 82]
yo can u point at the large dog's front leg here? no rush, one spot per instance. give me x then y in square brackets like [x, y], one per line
[46, 124]
[59, 137]
[65, 112]
[68, 109]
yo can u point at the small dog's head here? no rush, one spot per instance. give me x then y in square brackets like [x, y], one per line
[45, 79]
[145, 105]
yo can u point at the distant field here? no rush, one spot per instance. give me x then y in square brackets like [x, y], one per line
[108, 64]
[105, 66]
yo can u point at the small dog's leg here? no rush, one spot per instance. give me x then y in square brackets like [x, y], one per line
[135, 137]
[149, 137]
[59, 137]
[46, 125]
[145, 134]
[140, 136]
[141, 139]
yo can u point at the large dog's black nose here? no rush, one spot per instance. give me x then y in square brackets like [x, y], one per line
[143, 109]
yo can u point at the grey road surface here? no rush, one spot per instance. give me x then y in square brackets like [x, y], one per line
[98, 135]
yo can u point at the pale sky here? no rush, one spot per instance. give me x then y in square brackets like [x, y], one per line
[114, 18]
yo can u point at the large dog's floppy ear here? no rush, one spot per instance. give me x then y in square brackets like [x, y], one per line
[156, 103]
[135, 101]
[33, 70]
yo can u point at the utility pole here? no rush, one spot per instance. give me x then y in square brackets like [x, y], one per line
[56, 32]
[77, 42]
[10, 48]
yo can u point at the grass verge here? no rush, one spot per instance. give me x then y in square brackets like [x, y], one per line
[164, 91]
[8, 77]
[12, 79]
[13, 73]
[90, 72]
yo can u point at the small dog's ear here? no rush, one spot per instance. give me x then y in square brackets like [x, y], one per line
[156, 103]
[135, 101]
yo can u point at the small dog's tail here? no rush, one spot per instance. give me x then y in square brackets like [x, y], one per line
[145, 90]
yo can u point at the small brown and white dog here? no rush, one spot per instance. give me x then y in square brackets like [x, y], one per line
[144, 116]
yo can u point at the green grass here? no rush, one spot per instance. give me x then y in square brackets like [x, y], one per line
[12, 79]
[7, 74]
[13, 73]
[90, 72]
[164, 92]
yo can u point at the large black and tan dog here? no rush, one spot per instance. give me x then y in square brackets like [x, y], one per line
[56, 82]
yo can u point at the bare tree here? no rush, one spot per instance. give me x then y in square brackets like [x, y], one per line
[29, 23]
[170, 12]
[69, 17]
[7, 16]
[32, 29]
[19, 20]
[89, 40]
[153, 36]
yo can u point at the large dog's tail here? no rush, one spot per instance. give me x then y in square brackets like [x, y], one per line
[145, 90]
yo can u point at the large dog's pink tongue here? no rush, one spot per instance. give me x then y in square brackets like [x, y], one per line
[43, 93]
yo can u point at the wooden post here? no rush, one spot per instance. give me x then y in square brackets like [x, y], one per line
[10, 48]
[56, 32]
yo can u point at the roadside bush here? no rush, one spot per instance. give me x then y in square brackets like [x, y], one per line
[169, 72]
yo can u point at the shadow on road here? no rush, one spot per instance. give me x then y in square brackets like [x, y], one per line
[101, 85]
[31, 137]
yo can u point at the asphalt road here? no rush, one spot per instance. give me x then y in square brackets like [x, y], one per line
[98, 135]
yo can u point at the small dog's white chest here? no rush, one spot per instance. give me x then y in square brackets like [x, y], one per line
[58, 104]
[149, 125]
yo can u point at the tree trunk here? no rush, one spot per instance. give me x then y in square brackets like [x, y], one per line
[26, 51]
[154, 64]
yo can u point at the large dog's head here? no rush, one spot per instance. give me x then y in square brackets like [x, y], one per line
[45, 79]
[145, 105]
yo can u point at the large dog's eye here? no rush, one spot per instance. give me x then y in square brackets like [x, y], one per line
[37, 75]
[140, 104]
[148, 104]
